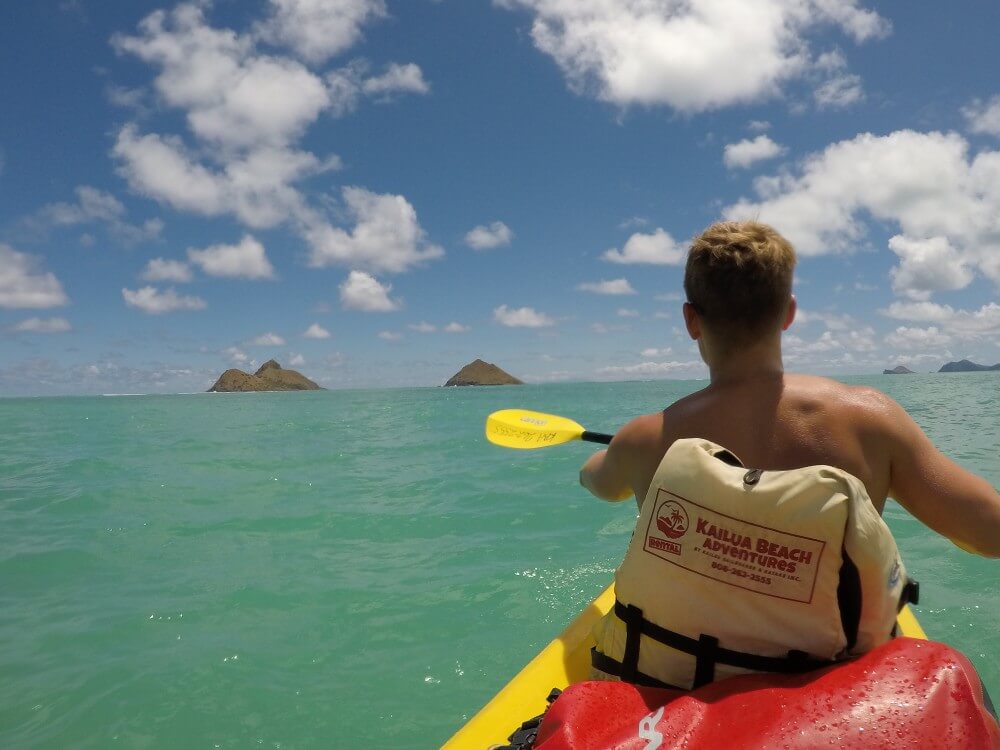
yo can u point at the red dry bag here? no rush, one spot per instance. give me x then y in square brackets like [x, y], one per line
[906, 693]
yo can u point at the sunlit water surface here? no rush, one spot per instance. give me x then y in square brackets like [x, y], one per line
[333, 569]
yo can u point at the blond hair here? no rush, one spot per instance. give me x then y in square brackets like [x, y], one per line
[738, 278]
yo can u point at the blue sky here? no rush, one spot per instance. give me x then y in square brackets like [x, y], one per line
[376, 192]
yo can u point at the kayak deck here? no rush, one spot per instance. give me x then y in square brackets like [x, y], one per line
[564, 661]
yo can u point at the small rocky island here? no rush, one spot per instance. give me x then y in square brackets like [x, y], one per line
[965, 365]
[270, 377]
[482, 373]
[899, 370]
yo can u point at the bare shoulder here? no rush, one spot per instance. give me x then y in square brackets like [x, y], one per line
[859, 401]
[640, 431]
[659, 428]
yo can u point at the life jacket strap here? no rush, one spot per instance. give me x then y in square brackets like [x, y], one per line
[613, 667]
[910, 594]
[705, 649]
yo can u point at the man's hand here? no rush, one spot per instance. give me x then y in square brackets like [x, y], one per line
[605, 476]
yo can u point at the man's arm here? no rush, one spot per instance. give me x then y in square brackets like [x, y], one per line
[605, 474]
[940, 493]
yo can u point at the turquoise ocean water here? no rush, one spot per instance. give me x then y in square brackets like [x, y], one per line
[332, 569]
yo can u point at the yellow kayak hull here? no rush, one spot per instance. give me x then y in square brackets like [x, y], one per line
[564, 661]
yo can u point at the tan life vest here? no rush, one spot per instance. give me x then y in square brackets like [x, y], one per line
[731, 571]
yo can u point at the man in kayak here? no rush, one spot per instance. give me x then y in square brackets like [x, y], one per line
[723, 556]
[738, 283]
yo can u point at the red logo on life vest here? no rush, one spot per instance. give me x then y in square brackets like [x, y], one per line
[672, 519]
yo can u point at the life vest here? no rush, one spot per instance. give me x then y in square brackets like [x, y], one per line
[734, 571]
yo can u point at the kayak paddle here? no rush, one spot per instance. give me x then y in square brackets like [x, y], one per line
[520, 428]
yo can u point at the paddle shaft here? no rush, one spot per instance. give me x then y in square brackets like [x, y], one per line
[596, 437]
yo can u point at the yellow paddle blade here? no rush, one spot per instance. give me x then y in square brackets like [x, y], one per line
[520, 428]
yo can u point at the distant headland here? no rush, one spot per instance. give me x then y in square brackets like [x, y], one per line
[270, 377]
[482, 373]
[964, 365]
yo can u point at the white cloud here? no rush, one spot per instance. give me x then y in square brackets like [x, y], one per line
[297, 360]
[669, 297]
[839, 91]
[159, 168]
[44, 377]
[759, 126]
[750, 151]
[126, 98]
[346, 85]
[832, 321]
[238, 98]
[521, 317]
[983, 117]
[653, 352]
[152, 301]
[386, 235]
[927, 266]
[22, 285]
[926, 183]
[633, 222]
[920, 311]
[236, 355]
[161, 269]
[319, 29]
[390, 336]
[916, 359]
[613, 287]
[267, 339]
[652, 368]
[42, 325]
[397, 79]
[455, 328]
[93, 205]
[692, 56]
[335, 360]
[624, 312]
[658, 248]
[859, 340]
[910, 339]
[602, 328]
[232, 95]
[246, 109]
[255, 187]
[362, 291]
[965, 324]
[422, 327]
[246, 260]
[488, 237]
[316, 331]
[838, 88]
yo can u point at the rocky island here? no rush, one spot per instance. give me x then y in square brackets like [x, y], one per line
[899, 370]
[270, 377]
[482, 373]
[965, 365]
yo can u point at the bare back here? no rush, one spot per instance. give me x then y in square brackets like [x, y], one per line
[782, 422]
